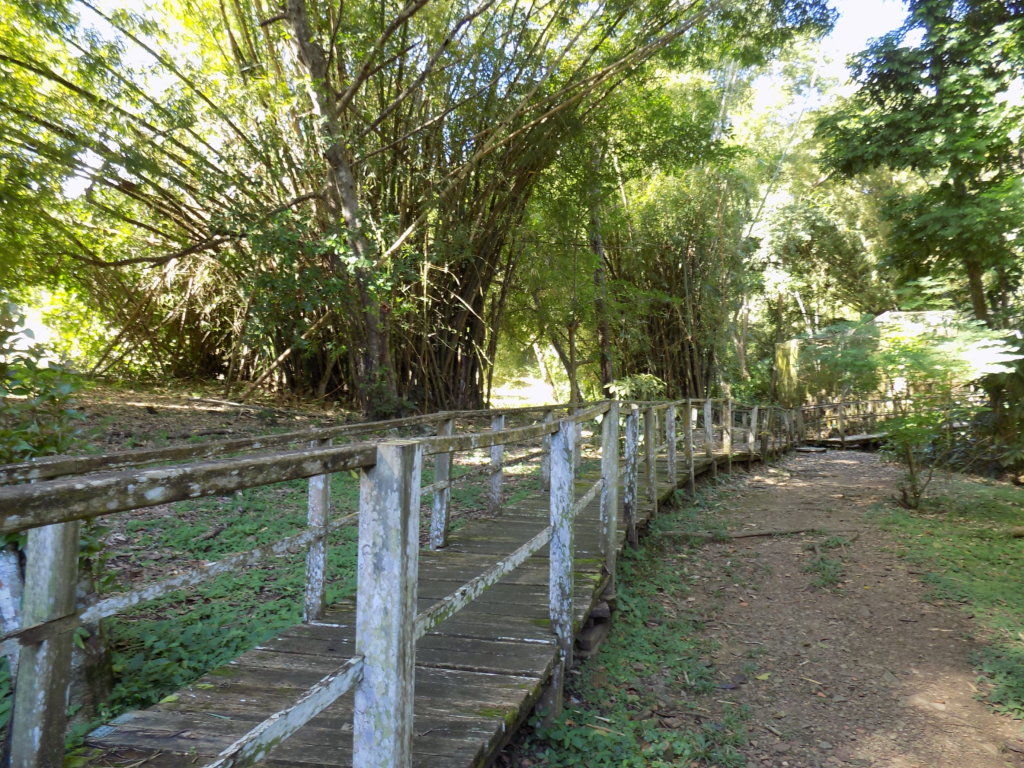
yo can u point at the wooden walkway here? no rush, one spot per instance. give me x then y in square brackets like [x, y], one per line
[478, 674]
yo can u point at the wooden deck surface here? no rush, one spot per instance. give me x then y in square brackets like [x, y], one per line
[478, 675]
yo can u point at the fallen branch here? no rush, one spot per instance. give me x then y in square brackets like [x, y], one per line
[788, 532]
[707, 536]
[247, 407]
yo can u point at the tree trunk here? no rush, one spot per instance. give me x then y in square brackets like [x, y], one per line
[976, 287]
[375, 376]
[604, 344]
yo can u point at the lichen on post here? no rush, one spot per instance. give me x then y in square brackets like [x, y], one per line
[387, 567]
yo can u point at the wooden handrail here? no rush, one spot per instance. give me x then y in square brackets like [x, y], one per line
[388, 516]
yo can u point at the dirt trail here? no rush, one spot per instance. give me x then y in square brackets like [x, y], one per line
[868, 673]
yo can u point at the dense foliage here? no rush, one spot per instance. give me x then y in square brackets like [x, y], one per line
[327, 199]
[940, 101]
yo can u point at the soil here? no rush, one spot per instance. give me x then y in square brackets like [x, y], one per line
[118, 418]
[868, 672]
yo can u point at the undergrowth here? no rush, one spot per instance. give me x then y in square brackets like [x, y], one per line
[631, 706]
[964, 539]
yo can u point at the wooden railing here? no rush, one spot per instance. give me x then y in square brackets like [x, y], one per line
[49, 499]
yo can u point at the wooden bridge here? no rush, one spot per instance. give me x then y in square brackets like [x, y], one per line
[441, 653]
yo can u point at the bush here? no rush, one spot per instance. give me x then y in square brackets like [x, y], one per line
[37, 415]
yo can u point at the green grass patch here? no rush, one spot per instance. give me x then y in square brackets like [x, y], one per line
[962, 540]
[828, 571]
[631, 705]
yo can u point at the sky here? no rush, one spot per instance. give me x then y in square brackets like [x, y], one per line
[859, 22]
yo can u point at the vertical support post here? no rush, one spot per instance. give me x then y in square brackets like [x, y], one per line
[577, 439]
[545, 461]
[727, 434]
[497, 473]
[842, 425]
[610, 485]
[317, 508]
[44, 669]
[388, 561]
[820, 422]
[651, 454]
[442, 489]
[766, 436]
[709, 436]
[672, 453]
[629, 492]
[560, 576]
[691, 480]
[752, 438]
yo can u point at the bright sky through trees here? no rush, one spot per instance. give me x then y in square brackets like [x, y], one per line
[859, 21]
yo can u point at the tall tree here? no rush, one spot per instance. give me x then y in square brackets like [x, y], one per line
[941, 97]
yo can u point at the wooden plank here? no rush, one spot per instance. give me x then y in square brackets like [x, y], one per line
[44, 669]
[630, 499]
[80, 498]
[709, 435]
[609, 506]
[318, 506]
[258, 742]
[691, 469]
[442, 490]
[386, 601]
[469, 591]
[560, 561]
[496, 472]
[650, 451]
[727, 434]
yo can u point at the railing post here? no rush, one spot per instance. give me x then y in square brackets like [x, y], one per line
[44, 669]
[752, 438]
[842, 425]
[387, 565]
[651, 454]
[766, 437]
[691, 480]
[610, 485]
[577, 439]
[629, 491]
[670, 438]
[497, 472]
[545, 461]
[709, 436]
[560, 561]
[317, 509]
[727, 434]
[442, 489]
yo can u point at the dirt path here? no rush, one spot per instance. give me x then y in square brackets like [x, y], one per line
[864, 673]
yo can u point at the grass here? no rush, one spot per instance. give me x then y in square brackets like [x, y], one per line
[828, 571]
[962, 540]
[630, 705]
